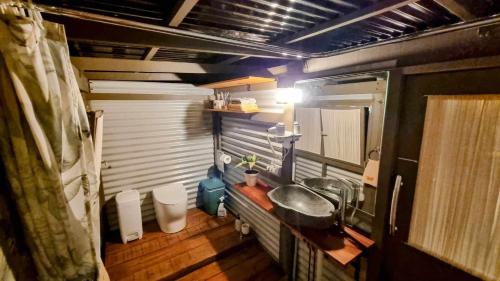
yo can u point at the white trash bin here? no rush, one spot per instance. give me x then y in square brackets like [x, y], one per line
[129, 215]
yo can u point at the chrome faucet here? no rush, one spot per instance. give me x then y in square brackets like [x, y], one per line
[340, 193]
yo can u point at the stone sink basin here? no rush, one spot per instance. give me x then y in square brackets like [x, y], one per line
[299, 206]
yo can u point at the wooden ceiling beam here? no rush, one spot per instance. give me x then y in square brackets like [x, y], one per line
[181, 11]
[192, 78]
[457, 9]
[151, 53]
[131, 76]
[126, 65]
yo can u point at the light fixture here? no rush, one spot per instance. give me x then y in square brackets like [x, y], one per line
[288, 95]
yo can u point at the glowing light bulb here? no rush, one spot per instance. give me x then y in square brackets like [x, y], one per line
[288, 95]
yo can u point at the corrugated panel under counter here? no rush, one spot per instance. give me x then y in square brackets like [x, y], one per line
[147, 144]
[265, 226]
[305, 261]
[334, 272]
[313, 265]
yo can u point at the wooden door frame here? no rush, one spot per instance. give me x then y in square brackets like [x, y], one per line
[394, 99]
[410, 133]
[386, 168]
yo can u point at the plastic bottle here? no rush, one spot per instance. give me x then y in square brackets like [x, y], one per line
[296, 128]
[221, 211]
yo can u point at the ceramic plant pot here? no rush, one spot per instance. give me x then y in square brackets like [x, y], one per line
[251, 177]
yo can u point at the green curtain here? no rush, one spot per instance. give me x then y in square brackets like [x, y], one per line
[47, 151]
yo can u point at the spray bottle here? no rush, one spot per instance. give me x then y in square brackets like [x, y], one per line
[221, 211]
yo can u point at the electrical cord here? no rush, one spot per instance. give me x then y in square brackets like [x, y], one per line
[275, 154]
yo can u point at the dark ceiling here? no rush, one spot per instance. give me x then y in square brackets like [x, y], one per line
[312, 26]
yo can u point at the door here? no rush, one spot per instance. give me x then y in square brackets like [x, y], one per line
[443, 216]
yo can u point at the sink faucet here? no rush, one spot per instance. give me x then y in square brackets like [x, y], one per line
[342, 194]
[338, 189]
[342, 207]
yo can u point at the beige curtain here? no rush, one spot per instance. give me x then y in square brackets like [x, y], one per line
[456, 210]
[46, 148]
[343, 134]
[310, 126]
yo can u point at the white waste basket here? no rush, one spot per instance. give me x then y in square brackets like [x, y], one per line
[129, 215]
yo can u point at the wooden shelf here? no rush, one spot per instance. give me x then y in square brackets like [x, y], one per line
[231, 111]
[248, 80]
[337, 246]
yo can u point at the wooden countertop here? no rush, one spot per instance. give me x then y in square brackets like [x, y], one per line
[337, 246]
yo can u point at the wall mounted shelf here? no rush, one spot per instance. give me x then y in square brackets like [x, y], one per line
[248, 80]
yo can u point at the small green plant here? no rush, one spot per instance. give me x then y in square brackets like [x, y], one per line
[248, 160]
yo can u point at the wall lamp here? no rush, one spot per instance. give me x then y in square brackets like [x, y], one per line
[288, 95]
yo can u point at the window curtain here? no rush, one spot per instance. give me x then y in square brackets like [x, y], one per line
[343, 131]
[46, 149]
[456, 208]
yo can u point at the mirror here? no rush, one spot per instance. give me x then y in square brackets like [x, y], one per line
[341, 120]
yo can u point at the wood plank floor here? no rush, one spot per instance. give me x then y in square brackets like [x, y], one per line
[207, 249]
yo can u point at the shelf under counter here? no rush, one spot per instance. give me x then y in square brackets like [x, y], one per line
[337, 246]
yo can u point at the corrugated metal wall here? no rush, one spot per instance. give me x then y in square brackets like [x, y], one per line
[336, 172]
[334, 272]
[265, 226]
[266, 99]
[243, 136]
[147, 144]
[306, 168]
[313, 265]
[305, 261]
[239, 137]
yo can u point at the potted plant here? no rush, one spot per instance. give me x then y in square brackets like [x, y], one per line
[250, 174]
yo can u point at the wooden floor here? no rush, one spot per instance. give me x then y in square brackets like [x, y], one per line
[207, 249]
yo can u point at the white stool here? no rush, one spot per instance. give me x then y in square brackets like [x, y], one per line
[171, 207]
